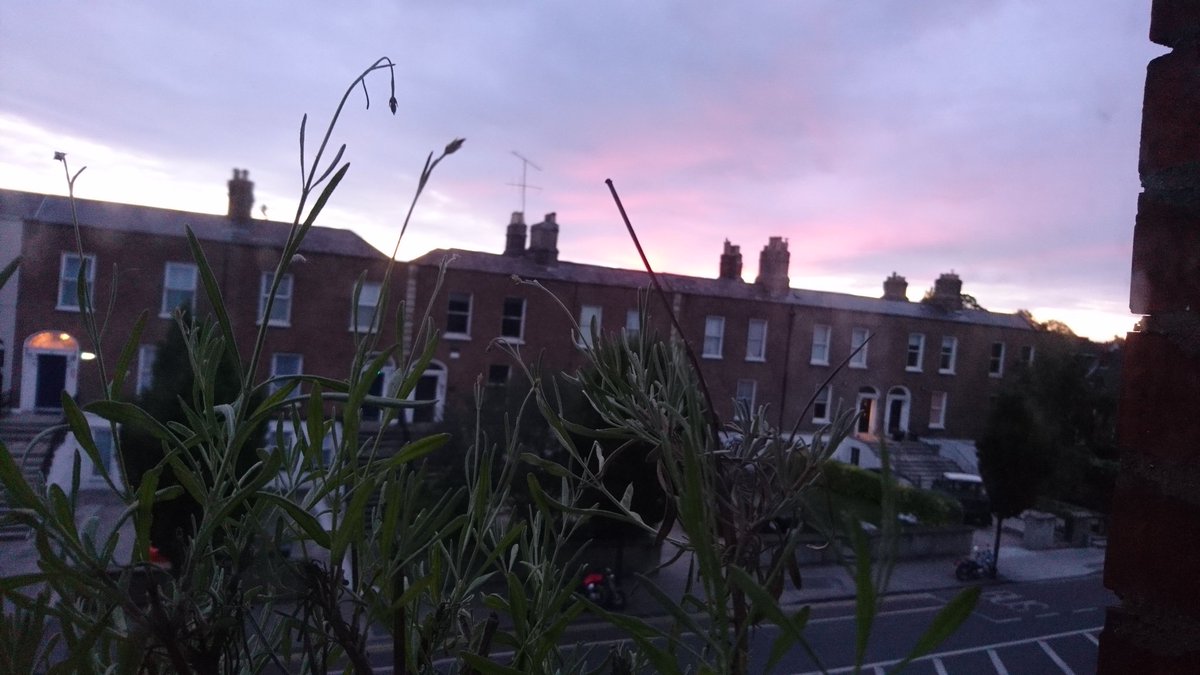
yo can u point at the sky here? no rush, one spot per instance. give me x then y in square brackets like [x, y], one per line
[997, 139]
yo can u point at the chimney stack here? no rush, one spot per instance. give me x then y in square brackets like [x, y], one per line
[895, 287]
[773, 266]
[543, 240]
[241, 196]
[947, 292]
[514, 243]
[731, 262]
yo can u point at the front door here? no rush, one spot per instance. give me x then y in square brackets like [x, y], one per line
[427, 390]
[864, 414]
[51, 381]
[895, 411]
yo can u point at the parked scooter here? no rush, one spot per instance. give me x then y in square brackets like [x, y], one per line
[602, 588]
[981, 564]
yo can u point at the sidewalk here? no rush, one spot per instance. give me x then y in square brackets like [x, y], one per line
[823, 583]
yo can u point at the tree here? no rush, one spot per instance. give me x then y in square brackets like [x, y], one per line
[1016, 454]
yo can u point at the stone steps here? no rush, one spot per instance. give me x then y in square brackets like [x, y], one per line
[17, 431]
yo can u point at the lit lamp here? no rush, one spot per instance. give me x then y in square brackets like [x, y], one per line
[87, 356]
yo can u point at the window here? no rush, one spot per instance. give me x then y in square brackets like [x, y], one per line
[281, 310]
[633, 322]
[1027, 354]
[820, 346]
[745, 396]
[498, 374]
[104, 448]
[714, 336]
[937, 410]
[68, 279]
[364, 319]
[179, 288]
[916, 352]
[589, 323]
[996, 362]
[145, 372]
[283, 365]
[858, 341]
[756, 340]
[458, 315]
[821, 406]
[948, 356]
[512, 321]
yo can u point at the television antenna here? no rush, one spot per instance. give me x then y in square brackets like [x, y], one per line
[524, 184]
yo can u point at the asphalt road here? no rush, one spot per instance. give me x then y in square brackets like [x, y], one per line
[1034, 627]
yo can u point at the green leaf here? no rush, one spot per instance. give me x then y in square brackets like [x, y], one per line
[8, 271]
[83, 435]
[944, 624]
[19, 492]
[213, 290]
[416, 450]
[131, 415]
[304, 519]
[127, 354]
[487, 667]
[865, 592]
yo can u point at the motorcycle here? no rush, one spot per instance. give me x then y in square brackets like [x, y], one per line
[601, 587]
[981, 564]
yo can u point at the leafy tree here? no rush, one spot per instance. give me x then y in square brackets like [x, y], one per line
[1016, 454]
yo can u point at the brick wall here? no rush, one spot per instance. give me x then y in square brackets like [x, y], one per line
[1153, 559]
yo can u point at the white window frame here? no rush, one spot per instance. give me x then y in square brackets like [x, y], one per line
[739, 393]
[920, 353]
[519, 338]
[633, 322]
[459, 335]
[996, 361]
[826, 401]
[948, 357]
[365, 321]
[67, 288]
[1028, 353]
[937, 410]
[145, 373]
[756, 347]
[275, 372]
[283, 299]
[820, 345]
[167, 308]
[588, 313]
[858, 338]
[714, 336]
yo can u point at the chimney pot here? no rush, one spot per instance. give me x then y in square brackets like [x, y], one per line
[731, 262]
[543, 240]
[947, 291]
[773, 266]
[241, 196]
[895, 287]
[514, 243]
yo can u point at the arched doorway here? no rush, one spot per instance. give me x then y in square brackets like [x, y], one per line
[898, 400]
[49, 366]
[867, 397]
[430, 387]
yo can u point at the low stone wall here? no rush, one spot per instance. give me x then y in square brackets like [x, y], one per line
[913, 543]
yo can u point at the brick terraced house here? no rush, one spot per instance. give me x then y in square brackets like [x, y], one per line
[927, 371]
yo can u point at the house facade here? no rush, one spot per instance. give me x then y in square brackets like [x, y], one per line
[913, 369]
[137, 259]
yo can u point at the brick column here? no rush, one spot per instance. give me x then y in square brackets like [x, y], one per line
[1153, 560]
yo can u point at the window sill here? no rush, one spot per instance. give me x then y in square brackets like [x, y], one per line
[946, 372]
[857, 366]
[756, 359]
[275, 324]
[818, 363]
[911, 369]
[937, 427]
[463, 337]
[711, 357]
[67, 308]
[821, 420]
[363, 330]
[511, 340]
[996, 376]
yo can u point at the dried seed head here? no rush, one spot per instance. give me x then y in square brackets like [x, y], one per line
[392, 104]
[60, 156]
[453, 146]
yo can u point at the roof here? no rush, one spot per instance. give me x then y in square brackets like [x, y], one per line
[29, 206]
[526, 268]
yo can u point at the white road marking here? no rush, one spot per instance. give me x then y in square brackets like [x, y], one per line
[1092, 638]
[1054, 657]
[941, 669]
[1046, 615]
[1081, 610]
[997, 663]
[971, 650]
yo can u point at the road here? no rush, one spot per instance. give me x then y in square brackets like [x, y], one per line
[1035, 627]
